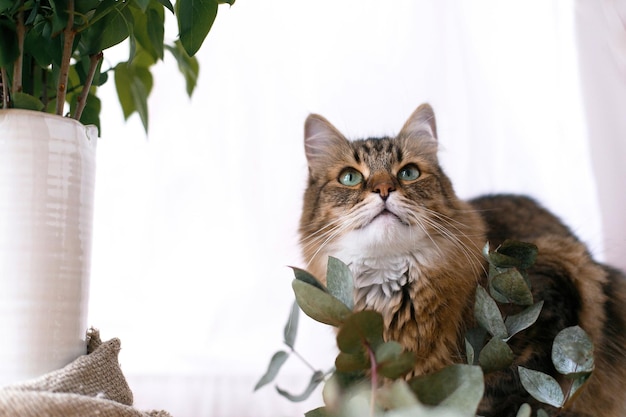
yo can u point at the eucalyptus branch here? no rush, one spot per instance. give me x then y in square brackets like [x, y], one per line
[68, 43]
[20, 30]
[374, 376]
[94, 60]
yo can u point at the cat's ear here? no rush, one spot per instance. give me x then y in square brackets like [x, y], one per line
[421, 122]
[321, 139]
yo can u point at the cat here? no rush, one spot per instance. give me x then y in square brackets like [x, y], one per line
[385, 208]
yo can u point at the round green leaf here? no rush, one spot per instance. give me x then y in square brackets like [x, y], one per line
[525, 253]
[397, 366]
[319, 305]
[360, 331]
[495, 356]
[347, 362]
[457, 386]
[572, 352]
[541, 386]
[305, 276]
[511, 284]
[524, 411]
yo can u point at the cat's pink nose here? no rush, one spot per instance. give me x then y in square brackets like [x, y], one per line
[384, 189]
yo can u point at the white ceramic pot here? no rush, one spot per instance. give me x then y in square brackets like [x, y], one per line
[47, 173]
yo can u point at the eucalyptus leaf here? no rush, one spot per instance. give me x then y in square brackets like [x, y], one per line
[319, 305]
[316, 379]
[525, 253]
[541, 386]
[523, 320]
[276, 363]
[318, 412]
[339, 281]
[361, 331]
[496, 355]
[396, 395]
[305, 276]
[572, 352]
[524, 411]
[352, 362]
[388, 351]
[397, 366]
[488, 315]
[469, 352]
[460, 387]
[291, 327]
[511, 284]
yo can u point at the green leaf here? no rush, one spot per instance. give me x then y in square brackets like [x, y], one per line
[398, 366]
[351, 362]
[524, 411]
[572, 352]
[276, 363]
[359, 331]
[9, 50]
[475, 340]
[396, 395]
[26, 101]
[523, 320]
[495, 356]
[195, 18]
[469, 352]
[319, 305]
[188, 66]
[230, 2]
[291, 328]
[511, 284]
[318, 412]
[388, 351]
[460, 387]
[316, 379]
[488, 315]
[305, 276]
[167, 4]
[133, 85]
[541, 386]
[149, 30]
[112, 29]
[542, 413]
[339, 281]
[525, 253]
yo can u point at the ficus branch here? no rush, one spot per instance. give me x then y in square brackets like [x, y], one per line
[68, 42]
[5, 88]
[94, 60]
[20, 30]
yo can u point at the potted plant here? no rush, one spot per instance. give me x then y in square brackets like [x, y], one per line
[51, 65]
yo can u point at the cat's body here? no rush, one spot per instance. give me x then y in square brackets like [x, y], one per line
[385, 208]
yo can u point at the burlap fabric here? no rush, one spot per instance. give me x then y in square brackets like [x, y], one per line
[91, 385]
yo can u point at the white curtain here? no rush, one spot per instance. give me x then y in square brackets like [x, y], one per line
[196, 225]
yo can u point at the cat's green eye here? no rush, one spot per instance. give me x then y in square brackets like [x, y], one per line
[350, 177]
[409, 173]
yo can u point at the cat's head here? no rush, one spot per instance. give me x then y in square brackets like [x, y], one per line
[374, 197]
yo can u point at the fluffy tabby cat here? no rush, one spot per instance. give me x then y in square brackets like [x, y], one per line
[384, 207]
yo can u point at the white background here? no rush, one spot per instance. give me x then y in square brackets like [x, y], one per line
[196, 224]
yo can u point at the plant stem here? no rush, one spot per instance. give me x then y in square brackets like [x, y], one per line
[68, 44]
[19, 62]
[304, 361]
[82, 98]
[5, 88]
[374, 379]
